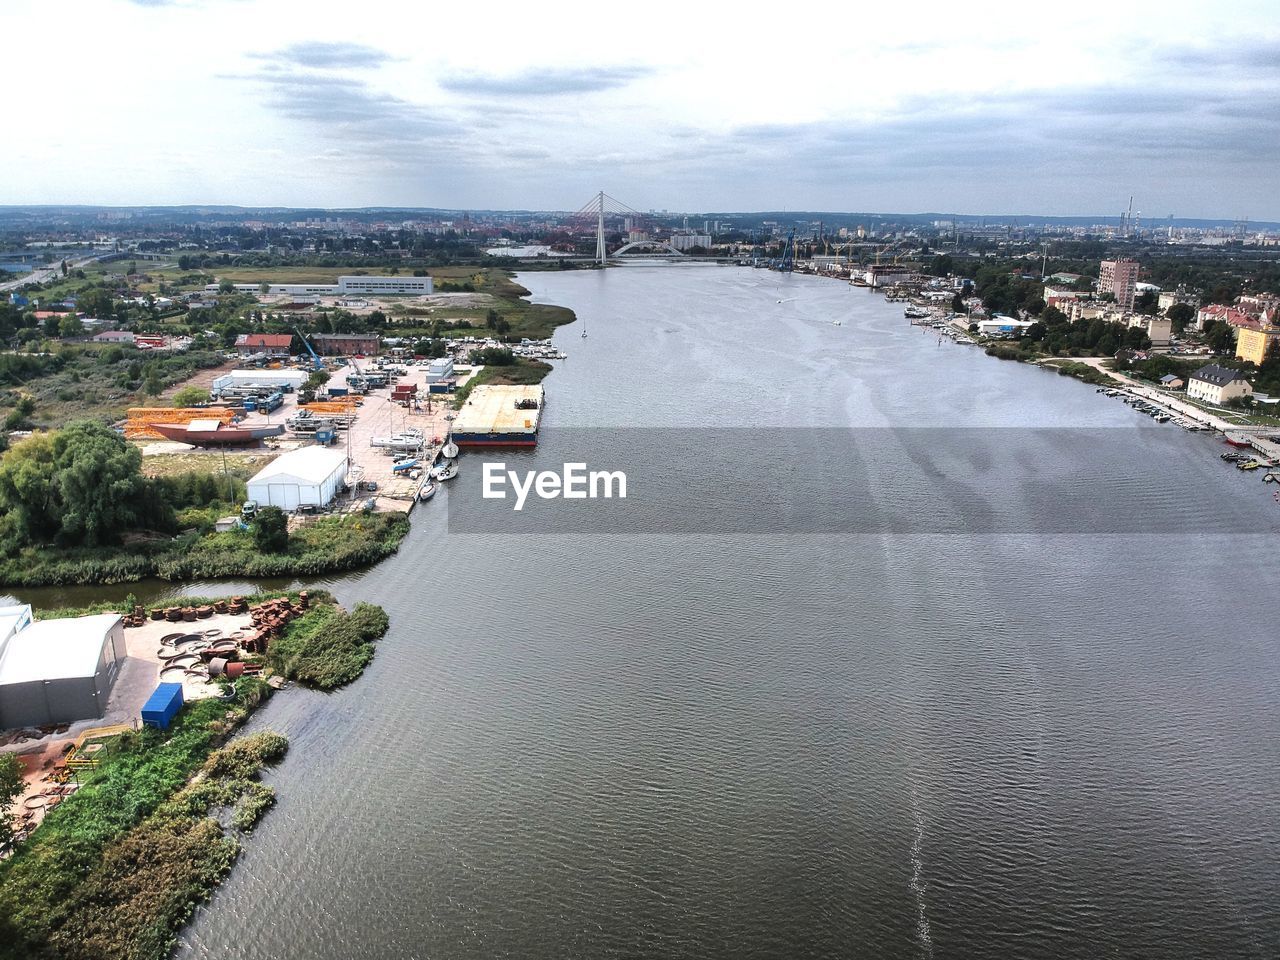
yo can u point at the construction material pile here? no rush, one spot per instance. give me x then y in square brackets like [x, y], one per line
[270, 618]
[345, 408]
[141, 419]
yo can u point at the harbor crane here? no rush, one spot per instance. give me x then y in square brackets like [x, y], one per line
[316, 363]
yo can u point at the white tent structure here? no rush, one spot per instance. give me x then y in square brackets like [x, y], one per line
[311, 476]
[59, 671]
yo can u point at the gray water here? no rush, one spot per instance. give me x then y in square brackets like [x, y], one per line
[772, 745]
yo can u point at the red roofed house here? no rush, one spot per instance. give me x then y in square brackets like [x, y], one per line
[1237, 318]
[272, 344]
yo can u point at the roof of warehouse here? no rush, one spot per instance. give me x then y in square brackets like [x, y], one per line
[308, 465]
[56, 649]
[264, 340]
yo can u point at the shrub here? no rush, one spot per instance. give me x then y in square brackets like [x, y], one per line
[271, 530]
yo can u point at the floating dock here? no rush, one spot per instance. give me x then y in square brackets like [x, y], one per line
[497, 415]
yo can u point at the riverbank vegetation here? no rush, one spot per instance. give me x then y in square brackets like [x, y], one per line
[327, 647]
[518, 370]
[117, 867]
[76, 508]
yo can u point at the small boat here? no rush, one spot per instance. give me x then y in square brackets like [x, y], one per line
[427, 492]
[446, 471]
[1238, 440]
[449, 450]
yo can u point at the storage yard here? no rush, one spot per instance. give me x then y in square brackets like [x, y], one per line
[376, 412]
[179, 646]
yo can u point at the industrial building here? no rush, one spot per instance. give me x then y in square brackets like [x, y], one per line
[57, 671]
[270, 344]
[287, 380]
[1001, 326]
[346, 344]
[311, 476]
[440, 368]
[383, 286]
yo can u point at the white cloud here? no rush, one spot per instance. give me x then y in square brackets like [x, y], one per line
[1000, 108]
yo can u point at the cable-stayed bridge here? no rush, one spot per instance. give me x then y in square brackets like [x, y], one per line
[601, 207]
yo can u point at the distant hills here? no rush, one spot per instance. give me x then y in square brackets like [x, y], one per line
[12, 215]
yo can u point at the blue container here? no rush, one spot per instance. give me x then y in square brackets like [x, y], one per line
[162, 706]
[337, 391]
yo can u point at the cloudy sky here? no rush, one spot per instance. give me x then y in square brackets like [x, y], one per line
[972, 108]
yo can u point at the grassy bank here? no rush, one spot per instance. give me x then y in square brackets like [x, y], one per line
[485, 289]
[521, 371]
[328, 545]
[328, 647]
[1083, 371]
[116, 868]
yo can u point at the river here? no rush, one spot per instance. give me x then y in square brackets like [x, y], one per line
[1033, 741]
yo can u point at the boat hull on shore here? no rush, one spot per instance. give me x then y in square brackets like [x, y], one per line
[219, 436]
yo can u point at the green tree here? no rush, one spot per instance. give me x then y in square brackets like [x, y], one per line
[69, 325]
[81, 485]
[271, 530]
[190, 397]
[96, 302]
[98, 484]
[226, 286]
[264, 287]
[1180, 314]
[10, 787]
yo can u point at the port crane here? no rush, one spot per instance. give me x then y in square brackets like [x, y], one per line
[316, 363]
[788, 259]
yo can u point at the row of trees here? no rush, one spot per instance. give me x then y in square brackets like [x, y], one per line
[1055, 334]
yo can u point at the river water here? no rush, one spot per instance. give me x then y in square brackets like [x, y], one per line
[1024, 741]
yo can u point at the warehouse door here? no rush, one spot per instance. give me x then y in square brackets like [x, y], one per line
[283, 495]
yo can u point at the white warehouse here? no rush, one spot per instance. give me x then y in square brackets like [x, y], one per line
[56, 671]
[310, 476]
[385, 286]
[273, 379]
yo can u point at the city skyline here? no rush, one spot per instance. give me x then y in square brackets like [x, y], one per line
[238, 102]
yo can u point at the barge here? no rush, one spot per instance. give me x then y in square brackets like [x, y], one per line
[499, 415]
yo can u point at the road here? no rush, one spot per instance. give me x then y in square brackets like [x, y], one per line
[43, 275]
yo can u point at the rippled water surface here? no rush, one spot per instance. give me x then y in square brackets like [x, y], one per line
[771, 745]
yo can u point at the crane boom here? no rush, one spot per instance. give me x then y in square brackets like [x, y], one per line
[316, 362]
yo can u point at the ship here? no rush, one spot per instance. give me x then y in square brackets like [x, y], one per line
[499, 415]
[215, 433]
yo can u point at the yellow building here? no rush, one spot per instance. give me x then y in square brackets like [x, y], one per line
[1253, 345]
